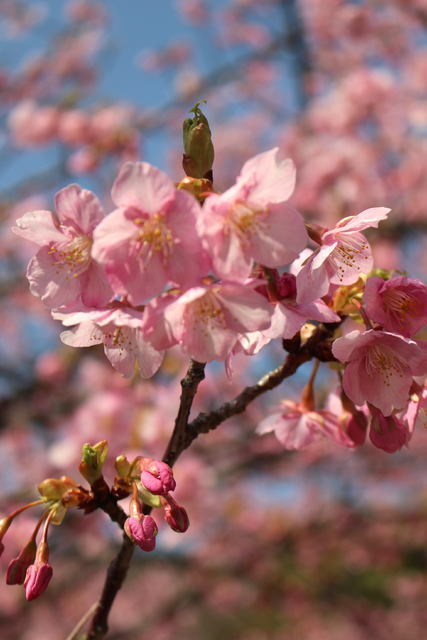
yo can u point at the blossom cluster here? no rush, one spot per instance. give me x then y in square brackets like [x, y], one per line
[218, 274]
[150, 483]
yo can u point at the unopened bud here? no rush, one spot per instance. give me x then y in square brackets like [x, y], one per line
[198, 148]
[37, 579]
[17, 569]
[142, 530]
[93, 458]
[157, 476]
[122, 466]
[175, 515]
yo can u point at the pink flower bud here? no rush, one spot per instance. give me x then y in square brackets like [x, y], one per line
[142, 530]
[37, 578]
[176, 516]
[157, 476]
[17, 569]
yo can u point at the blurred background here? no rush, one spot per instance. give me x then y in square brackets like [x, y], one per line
[322, 544]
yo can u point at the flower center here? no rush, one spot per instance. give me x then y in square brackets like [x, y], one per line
[399, 304]
[154, 236]
[206, 311]
[381, 361]
[244, 221]
[348, 253]
[73, 255]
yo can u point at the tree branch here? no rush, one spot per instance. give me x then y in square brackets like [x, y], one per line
[189, 385]
[116, 574]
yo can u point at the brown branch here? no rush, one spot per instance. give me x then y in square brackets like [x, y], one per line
[189, 385]
[116, 574]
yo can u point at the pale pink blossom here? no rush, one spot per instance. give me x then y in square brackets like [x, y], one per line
[297, 427]
[32, 125]
[252, 221]
[344, 254]
[119, 329]
[74, 127]
[63, 271]
[150, 239]
[399, 305]
[207, 320]
[380, 367]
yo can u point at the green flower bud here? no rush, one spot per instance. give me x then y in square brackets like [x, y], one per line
[198, 148]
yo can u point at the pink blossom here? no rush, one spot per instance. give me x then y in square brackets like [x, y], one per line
[150, 239]
[388, 433]
[343, 255]
[63, 271]
[119, 329]
[142, 530]
[73, 127]
[296, 426]
[252, 221]
[31, 125]
[353, 421]
[399, 305]
[289, 316]
[157, 476]
[37, 579]
[207, 320]
[380, 367]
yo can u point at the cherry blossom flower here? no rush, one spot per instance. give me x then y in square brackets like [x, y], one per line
[252, 221]
[289, 316]
[207, 320]
[380, 367]
[119, 330]
[343, 255]
[296, 426]
[63, 271]
[399, 305]
[150, 239]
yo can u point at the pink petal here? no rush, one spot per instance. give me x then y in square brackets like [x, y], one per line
[39, 227]
[267, 179]
[86, 334]
[141, 186]
[78, 208]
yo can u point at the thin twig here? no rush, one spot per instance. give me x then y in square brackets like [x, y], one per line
[81, 623]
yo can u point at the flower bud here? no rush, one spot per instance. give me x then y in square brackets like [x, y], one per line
[93, 458]
[17, 569]
[37, 579]
[198, 148]
[142, 530]
[175, 515]
[157, 476]
[122, 466]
